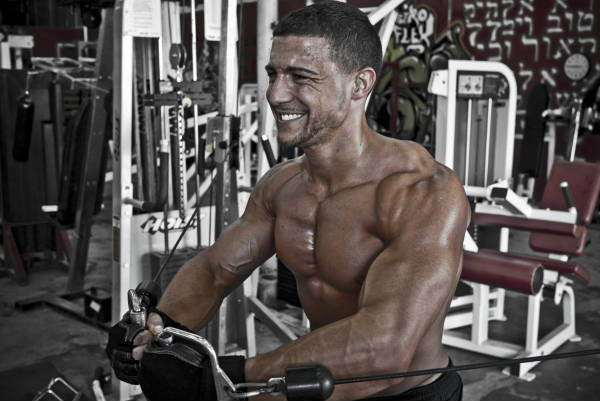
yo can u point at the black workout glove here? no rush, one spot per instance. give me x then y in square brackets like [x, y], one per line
[120, 345]
[119, 349]
[179, 372]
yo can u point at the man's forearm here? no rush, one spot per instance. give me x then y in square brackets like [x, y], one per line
[194, 294]
[347, 348]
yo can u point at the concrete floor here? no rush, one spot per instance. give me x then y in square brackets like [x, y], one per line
[54, 343]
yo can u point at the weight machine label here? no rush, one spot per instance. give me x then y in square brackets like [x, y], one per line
[142, 18]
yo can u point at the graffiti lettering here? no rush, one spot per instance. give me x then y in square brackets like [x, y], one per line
[569, 17]
[498, 47]
[566, 47]
[584, 41]
[495, 25]
[547, 76]
[411, 54]
[470, 11]
[560, 3]
[548, 43]
[475, 27]
[524, 4]
[414, 28]
[529, 21]
[531, 42]
[557, 28]
[508, 22]
[585, 21]
[506, 30]
[527, 74]
[508, 45]
[492, 10]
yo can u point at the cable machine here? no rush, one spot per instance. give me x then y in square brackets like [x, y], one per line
[151, 98]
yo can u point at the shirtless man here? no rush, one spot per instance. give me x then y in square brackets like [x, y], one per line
[372, 227]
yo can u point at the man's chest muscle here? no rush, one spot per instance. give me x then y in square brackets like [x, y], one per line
[333, 240]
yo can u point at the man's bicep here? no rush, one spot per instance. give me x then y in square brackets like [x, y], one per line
[408, 272]
[417, 272]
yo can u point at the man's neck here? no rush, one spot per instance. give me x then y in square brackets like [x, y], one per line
[333, 163]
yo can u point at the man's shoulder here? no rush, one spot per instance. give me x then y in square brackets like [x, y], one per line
[419, 184]
[412, 166]
[270, 183]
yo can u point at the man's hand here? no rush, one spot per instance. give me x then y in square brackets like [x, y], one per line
[120, 349]
[178, 371]
[127, 341]
[155, 325]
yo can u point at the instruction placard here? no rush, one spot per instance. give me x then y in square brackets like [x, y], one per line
[141, 18]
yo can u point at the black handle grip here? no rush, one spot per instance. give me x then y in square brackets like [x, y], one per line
[568, 196]
[268, 151]
[308, 383]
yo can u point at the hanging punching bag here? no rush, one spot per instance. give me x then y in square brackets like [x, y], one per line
[22, 138]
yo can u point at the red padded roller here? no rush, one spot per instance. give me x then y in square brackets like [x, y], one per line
[572, 268]
[523, 223]
[502, 270]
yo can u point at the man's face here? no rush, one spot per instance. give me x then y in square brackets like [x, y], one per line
[308, 94]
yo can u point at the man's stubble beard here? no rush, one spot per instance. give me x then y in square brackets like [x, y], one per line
[301, 139]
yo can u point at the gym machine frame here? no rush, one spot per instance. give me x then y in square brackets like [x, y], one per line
[233, 325]
[493, 195]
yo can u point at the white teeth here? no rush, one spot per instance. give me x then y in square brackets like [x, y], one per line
[288, 117]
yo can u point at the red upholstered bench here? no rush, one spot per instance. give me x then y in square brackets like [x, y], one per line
[503, 270]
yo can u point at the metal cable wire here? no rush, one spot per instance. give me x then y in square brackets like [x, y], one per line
[473, 366]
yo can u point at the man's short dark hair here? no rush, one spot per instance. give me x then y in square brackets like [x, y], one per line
[353, 39]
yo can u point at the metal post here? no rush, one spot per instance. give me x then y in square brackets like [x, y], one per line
[228, 74]
[481, 302]
[468, 140]
[533, 322]
[197, 149]
[122, 185]
[266, 16]
[229, 323]
[488, 133]
[89, 184]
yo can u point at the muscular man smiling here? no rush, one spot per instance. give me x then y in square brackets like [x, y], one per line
[372, 227]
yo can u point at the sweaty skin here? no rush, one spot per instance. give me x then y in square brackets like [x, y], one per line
[372, 228]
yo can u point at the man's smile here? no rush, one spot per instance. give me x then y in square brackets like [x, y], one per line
[287, 116]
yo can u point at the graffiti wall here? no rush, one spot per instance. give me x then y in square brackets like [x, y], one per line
[401, 106]
[549, 41]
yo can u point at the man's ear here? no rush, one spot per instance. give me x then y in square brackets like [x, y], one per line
[364, 79]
